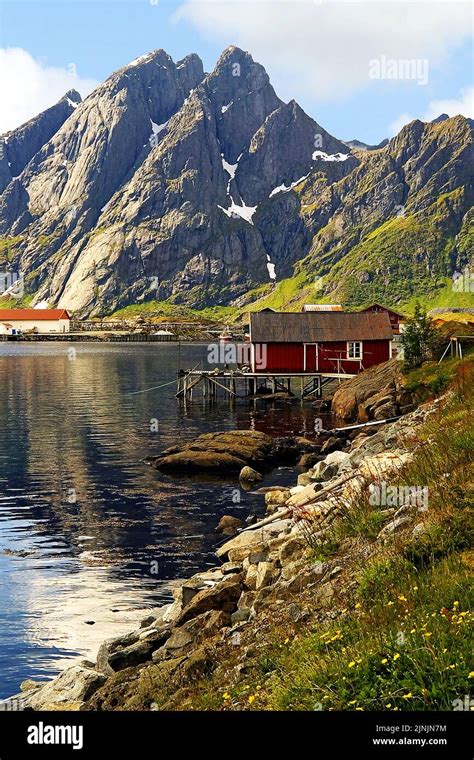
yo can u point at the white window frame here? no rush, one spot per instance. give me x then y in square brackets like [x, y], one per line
[359, 343]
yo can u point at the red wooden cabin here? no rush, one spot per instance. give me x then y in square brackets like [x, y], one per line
[395, 317]
[319, 342]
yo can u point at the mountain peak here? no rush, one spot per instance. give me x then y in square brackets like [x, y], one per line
[232, 52]
[73, 97]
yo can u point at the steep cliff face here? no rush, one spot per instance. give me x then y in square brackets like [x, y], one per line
[20, 145]
[166, 183]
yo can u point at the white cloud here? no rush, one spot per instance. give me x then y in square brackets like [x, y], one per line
[464, 105]
[27, 86]
[324, 47]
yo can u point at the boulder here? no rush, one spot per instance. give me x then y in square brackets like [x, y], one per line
[250, 581]
[72, 687]
[231, 567]
[338, 457]
[242, 545]
[276, 499]
[386, 411]
[217, 453]
[29, 684]
[249, 475]
[266, 574]
[291, 549]
[116, 654]
[186, 591]
[240, 616]
[310, 459]
[359, 397]
[323, 471]
[229, 525]
[179, 639]
[332, 444]
[223, 596]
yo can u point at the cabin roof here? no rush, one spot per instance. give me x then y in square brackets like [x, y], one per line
[319, 327]
[322, 307]
[381, 306]
[33, 314]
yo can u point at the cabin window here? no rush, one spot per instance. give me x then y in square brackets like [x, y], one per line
[354, 349]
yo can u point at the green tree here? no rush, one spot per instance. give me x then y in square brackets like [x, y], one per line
[420, 339]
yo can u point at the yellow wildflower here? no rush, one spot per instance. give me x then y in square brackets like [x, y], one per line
[471, 674]
[384, 661]
[408, 696]
[352, 663]
[251, 699]
[357, 606]
[396, 656]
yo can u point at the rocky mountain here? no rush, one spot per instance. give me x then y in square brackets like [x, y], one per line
[169, 184]
[20, 145]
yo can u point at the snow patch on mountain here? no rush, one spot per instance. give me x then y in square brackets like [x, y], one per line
[271, 268]
[286, 188]
[244, 212]
[157, 128]
[320, 154]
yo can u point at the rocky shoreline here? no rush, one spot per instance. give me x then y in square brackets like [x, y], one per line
[264, 569]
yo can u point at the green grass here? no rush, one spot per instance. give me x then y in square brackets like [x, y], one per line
[293, 291]
[410, 649]
[8, 246]
[432, 378]
[161, 309]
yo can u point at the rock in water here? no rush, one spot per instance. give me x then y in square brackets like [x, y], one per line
[229, 525]
[217, 453]
[249, 475]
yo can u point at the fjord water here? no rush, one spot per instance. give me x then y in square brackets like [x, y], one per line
[90, 536]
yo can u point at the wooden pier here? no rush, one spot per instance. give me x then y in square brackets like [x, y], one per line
[233, 384]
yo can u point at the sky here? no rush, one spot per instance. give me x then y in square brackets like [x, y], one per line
[361, 69]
